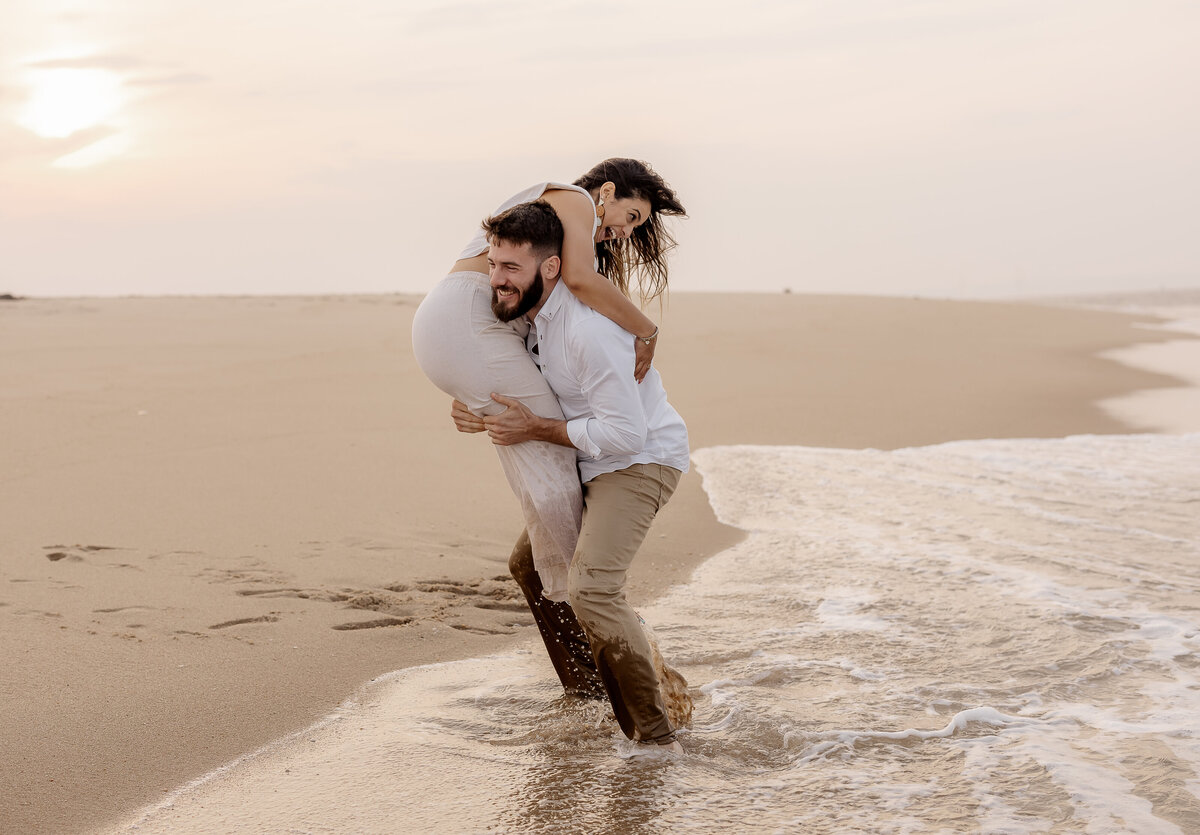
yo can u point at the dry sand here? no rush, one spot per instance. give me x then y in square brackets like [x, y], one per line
[221, 516]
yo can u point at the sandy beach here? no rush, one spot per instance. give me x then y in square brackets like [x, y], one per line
[224, 515]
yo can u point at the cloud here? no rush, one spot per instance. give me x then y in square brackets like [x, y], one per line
[117, 63]
[478, 16]
[17, 142]
[89, 62]
[133, 71]
[170, 80]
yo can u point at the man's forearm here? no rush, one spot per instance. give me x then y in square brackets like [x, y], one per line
[552, 431]
[516, 424]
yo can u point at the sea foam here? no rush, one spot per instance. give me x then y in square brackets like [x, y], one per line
[998, 636]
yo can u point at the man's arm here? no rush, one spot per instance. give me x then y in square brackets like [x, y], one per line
[512, 426]
[616, 423]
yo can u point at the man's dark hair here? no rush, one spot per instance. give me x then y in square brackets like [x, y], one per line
[535, 223]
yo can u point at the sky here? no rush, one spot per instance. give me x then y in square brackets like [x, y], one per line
[941, 148]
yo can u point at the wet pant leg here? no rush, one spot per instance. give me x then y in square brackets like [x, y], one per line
[566, 643]
[619, 509]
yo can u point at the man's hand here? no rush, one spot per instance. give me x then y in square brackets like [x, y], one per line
[464, 419]
[514, 425]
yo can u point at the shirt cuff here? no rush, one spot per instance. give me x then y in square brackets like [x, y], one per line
[577, 432]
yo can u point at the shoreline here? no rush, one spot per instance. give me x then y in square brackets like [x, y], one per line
[185, 627]
[1170, 409]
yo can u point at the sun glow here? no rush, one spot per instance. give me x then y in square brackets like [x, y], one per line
[97, 152]
[66, 101]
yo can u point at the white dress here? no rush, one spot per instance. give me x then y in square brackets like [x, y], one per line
[468, 353]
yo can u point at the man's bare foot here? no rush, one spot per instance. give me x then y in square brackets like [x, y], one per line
[666, 744]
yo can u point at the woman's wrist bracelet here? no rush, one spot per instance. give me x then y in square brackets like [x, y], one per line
[650, 338]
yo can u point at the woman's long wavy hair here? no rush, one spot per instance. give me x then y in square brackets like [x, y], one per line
[643, 256]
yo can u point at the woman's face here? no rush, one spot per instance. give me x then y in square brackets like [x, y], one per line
[621, 217]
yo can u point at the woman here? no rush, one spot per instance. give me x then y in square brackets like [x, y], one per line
[613, 232]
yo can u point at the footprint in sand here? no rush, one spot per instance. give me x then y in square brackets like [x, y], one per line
[372, 624]
[497, 588]
[480, 630]
[502, 606]
[326, 595]
[73, 553]
[82, 547]
[166, 554]
[380, 602]
[484, 607]
[39, 612]
[250, 574]
[383, 602]
[240, 621]
[481, 607]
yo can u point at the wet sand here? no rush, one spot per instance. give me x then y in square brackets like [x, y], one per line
[1171, 409]
[222, 516]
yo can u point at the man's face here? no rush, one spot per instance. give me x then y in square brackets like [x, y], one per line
[516, 277]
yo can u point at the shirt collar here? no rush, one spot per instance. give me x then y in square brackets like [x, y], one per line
[558, 297]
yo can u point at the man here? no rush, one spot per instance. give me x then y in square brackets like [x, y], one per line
[632, 448]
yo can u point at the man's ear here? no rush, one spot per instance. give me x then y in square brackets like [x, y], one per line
[551, 267]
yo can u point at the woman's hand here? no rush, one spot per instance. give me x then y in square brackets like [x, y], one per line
[464, 419]
[643, 355]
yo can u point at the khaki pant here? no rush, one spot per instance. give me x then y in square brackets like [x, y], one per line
[619, 508]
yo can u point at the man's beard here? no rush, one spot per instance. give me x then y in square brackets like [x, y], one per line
[529, 298]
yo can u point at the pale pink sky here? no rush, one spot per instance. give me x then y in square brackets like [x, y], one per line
[948, 147]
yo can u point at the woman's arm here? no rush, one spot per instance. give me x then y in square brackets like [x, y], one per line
[601, 295]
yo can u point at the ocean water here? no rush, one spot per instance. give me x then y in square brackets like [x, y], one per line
[981, 636]
[1174, 408]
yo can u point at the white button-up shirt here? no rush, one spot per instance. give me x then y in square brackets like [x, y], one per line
[612, 420]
